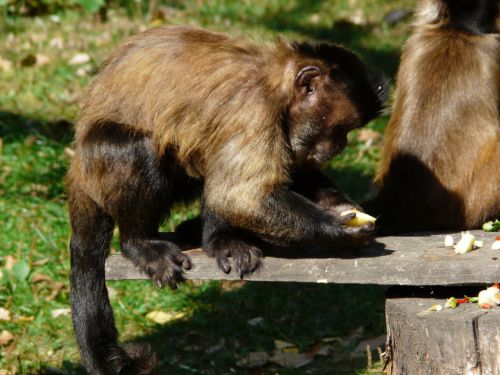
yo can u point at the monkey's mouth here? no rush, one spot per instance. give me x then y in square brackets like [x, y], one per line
[328, 147]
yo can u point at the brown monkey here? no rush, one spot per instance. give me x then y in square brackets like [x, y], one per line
[441, 159]
[181, 111]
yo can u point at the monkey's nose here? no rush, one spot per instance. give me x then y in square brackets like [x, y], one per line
[380, 86]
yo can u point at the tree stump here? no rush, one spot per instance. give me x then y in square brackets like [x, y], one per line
[465, 340]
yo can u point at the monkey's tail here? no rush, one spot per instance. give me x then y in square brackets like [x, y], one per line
[92, 314]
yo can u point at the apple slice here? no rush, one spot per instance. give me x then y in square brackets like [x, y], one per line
[360, 219]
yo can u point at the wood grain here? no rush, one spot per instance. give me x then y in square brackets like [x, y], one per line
[411, 259]
[460, 341]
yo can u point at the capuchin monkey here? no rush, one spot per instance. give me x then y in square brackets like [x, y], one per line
[440, 164]
[177, 113]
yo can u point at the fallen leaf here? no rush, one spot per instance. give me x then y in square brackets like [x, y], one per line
[42, 59]
[40, 262]
[57, 42]
[9, 262]
[367, 134]
[161, 317]
[319, 349]
[372, 343]
[215, 348]
[60, 312]
[258, 321]
[39, 277]
[6, 338]
[79, 58]
[290, 360]
[57, 287]
[279, 344]
[4, 314]
[253, 359]
[24, 319]
[5, 65]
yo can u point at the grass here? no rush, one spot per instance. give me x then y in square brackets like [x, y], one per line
[38, 104]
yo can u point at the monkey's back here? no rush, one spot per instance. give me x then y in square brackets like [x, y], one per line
[189, 84]
[446, 124]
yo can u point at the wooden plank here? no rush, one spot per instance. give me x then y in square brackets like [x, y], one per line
[412, 259]
[457, 341]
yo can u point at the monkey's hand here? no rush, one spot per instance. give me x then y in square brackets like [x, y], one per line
[354, 236]
[161, 260]
[246, 257]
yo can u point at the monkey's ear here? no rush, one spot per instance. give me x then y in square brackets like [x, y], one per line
[305, 76]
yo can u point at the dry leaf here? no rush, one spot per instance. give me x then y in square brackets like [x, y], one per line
[6, 338]
[256, 321]
[5, 65]
[40, 262]
[290, 360]
[253, 359]
[39, 277]
[79, 58]
[42, 59]
[372, 343]
[57, 287]
[319, 349]
[161, 317]
[215, 348]
[4, 314]
[9, 262]
[57, 42]
[60, 312]
[368, 135]
[24, 319]
[279, 344]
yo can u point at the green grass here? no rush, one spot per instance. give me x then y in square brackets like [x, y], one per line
[38, 103]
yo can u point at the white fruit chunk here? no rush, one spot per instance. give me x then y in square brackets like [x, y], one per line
[465, 244]
[448, 241]
[490, 296]
[495, 245]
[360, 219]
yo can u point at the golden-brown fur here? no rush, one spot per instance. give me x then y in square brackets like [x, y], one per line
[445, 129]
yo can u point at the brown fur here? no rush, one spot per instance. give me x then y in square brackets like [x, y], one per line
[177, 112]
[441, 159]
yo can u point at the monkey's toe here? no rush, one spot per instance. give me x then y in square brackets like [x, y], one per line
[246, 258]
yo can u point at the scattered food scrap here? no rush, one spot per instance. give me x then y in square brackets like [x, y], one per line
[448, 241]
[492, 226]
[465, 244]
[496, 244]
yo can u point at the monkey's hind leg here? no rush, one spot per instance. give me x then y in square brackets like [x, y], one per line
[139, 198]
[221, 241]
[92, 314]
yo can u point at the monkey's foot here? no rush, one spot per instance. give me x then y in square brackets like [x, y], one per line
[246, 257]
[161, 260]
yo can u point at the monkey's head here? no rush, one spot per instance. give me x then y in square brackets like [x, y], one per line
[333, 94]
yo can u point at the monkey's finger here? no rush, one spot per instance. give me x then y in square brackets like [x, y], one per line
[183, 260]
[224, 263]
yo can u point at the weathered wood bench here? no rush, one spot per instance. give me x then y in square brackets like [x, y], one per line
[465, 340]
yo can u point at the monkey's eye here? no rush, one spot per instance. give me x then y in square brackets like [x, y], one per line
[309, 89]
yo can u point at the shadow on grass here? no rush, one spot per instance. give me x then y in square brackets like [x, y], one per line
[15, 126]
[218, 334]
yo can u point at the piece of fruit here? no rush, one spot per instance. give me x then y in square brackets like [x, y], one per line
[465, 244]
[495, 245]
[448, 241]
[451, 303]
[360, 219]
[490, 296]
[491, 226]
